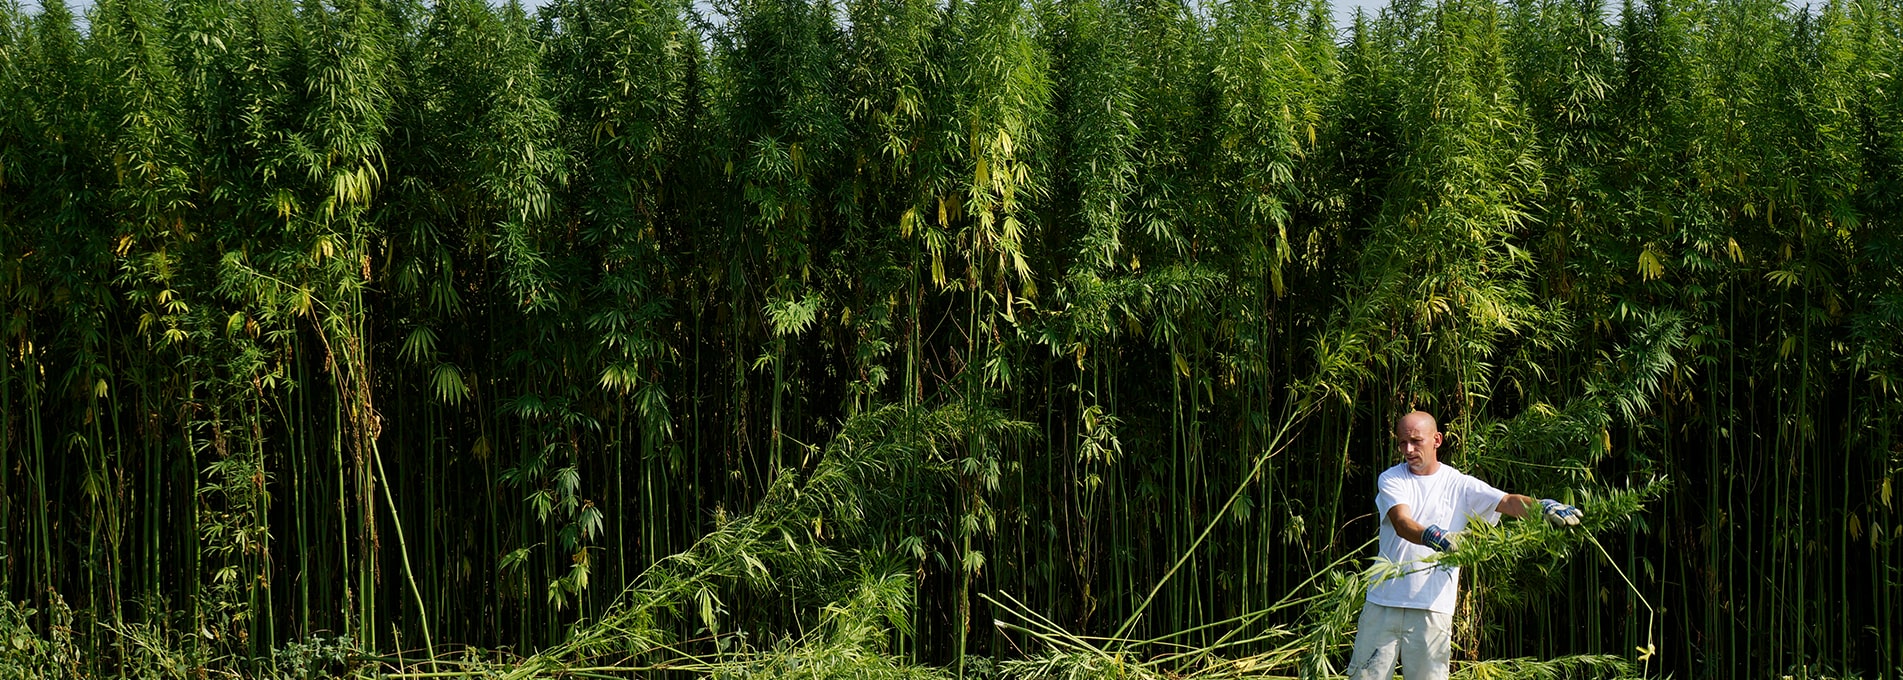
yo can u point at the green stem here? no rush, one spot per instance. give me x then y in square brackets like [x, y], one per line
[396, 522]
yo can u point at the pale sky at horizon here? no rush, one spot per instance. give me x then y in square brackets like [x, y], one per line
[1344, 9]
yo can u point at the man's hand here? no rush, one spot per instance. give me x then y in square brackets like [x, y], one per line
[1560, 514]
[1441, 540]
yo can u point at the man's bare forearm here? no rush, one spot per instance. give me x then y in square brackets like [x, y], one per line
[1517, 505]
[1405, 526]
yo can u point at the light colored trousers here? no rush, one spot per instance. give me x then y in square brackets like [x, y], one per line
[1420, 639]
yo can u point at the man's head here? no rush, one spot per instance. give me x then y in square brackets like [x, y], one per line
[1417, 438]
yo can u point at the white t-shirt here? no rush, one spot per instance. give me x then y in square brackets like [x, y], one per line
[1447, 499]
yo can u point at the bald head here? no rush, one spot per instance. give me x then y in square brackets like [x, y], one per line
[1421, 419]
[1417, 438]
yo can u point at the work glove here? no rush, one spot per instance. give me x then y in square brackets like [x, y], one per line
[1560, 514]
[1441, 540]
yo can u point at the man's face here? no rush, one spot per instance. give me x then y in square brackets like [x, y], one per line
[1418, 439]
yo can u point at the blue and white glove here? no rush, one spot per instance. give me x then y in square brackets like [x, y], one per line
[1441, 540]
[1560, 514]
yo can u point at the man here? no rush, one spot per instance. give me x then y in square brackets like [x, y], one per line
[1423, 505]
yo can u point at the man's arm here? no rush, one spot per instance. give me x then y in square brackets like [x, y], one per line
[1404, 525]
[1516, 505]
[1557, 514]
[1434, 537]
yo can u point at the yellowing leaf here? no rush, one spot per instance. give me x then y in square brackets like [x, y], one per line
[1650, 266]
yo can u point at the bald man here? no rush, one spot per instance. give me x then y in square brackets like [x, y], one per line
[1423, 505]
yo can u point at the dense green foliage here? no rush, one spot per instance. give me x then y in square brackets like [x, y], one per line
[905, 338]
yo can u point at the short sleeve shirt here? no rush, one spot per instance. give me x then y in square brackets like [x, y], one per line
[1448, 499]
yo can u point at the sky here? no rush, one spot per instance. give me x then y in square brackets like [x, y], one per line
[1344, 9]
